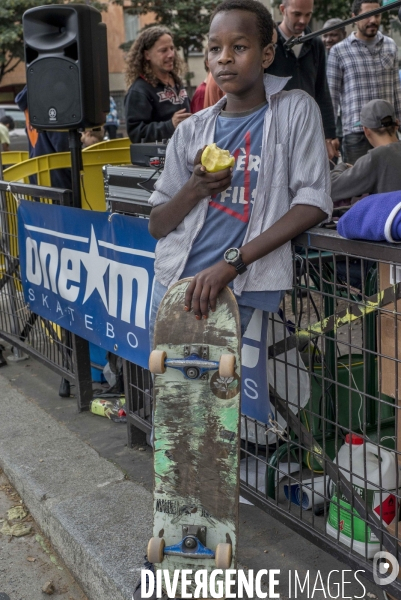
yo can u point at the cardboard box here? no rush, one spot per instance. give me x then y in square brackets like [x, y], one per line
[389, 334]
[389, 330]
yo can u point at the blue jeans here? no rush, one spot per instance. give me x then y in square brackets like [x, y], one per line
[159, 290]
[355, 145]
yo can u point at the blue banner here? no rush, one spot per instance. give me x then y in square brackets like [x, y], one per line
[89, 272]
[92, 274]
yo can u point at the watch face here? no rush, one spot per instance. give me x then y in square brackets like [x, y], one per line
[232, 254]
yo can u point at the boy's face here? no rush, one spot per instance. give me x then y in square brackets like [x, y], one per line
[236, 58]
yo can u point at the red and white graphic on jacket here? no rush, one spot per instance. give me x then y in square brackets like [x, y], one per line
[169, 94]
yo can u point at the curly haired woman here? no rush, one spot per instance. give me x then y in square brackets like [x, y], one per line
[156, 101]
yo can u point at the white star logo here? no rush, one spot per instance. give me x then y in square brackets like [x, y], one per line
[96, 266]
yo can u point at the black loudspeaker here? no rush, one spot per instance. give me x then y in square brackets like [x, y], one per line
[66, 67]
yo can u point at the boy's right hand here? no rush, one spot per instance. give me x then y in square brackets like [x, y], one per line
[205, 184]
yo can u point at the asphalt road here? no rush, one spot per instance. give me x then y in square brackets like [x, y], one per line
[28, 563]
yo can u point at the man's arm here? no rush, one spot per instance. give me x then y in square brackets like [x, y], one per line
[204, 288]
[297, 220]
[355, 181]
[4, 139]
[334, 79]
[397, 88]
[322, 95]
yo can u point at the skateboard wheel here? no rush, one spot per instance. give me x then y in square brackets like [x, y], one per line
[227, 365]
[223, 556]
[156, 549]
[156, 362]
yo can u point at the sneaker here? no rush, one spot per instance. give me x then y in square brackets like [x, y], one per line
[137, 590]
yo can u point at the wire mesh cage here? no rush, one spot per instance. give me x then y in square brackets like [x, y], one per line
[326, 461]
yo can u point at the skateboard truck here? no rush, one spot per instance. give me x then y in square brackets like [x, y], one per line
[191, 547]
[194, 365]
[193, 544]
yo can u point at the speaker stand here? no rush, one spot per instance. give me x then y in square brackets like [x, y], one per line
[79, 346]
[74, 140]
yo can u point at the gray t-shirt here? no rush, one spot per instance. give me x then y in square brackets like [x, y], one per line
[377, 172]
[371, 44]
[229, 211]
[297, 48]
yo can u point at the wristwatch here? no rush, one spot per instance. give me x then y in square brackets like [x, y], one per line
[233, 257]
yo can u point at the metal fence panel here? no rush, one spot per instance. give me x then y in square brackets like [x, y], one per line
[29, 333]
[334, 375]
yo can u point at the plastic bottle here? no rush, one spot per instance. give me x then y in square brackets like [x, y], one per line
[380, 474]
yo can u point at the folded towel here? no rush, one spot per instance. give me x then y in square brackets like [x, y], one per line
[376, 218]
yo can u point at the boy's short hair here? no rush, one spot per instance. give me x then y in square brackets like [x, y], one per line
[7, 120]
[386, 130]
[263, 16]
[357, 4]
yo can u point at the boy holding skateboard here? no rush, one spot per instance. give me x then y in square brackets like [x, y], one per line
[234, 227]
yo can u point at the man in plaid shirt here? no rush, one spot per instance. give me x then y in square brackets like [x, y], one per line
[361, 68]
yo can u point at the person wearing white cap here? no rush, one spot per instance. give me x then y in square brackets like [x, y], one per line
[379, 170]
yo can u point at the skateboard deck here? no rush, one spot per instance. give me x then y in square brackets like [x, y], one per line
[196, 436]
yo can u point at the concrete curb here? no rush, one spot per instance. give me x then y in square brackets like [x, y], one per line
[98, 521]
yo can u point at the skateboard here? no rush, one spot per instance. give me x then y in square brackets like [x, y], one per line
[196, 367]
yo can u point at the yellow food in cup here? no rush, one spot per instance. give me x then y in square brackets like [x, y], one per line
[215, 159]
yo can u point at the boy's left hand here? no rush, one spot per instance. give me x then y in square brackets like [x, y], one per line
[204, 288]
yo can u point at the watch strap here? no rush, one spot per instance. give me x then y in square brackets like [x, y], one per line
[239, 265]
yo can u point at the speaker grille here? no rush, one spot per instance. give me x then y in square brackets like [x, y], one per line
[54, 94]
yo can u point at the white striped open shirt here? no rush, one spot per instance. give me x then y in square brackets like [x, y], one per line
[294, 170]
[356, 76]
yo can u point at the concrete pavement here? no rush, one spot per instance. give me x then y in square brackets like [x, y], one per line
[91, 495]
[96, 518]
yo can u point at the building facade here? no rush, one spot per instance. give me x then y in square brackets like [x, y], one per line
[122, 29]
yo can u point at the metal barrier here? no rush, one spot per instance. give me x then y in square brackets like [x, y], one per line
[326, 464]
[334, 376]
[114, 152]
[66, 354]
[138, 399]
[13, 157]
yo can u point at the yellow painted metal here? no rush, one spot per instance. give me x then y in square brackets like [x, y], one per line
[92, 187]
[117, 143]
[13, 157]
